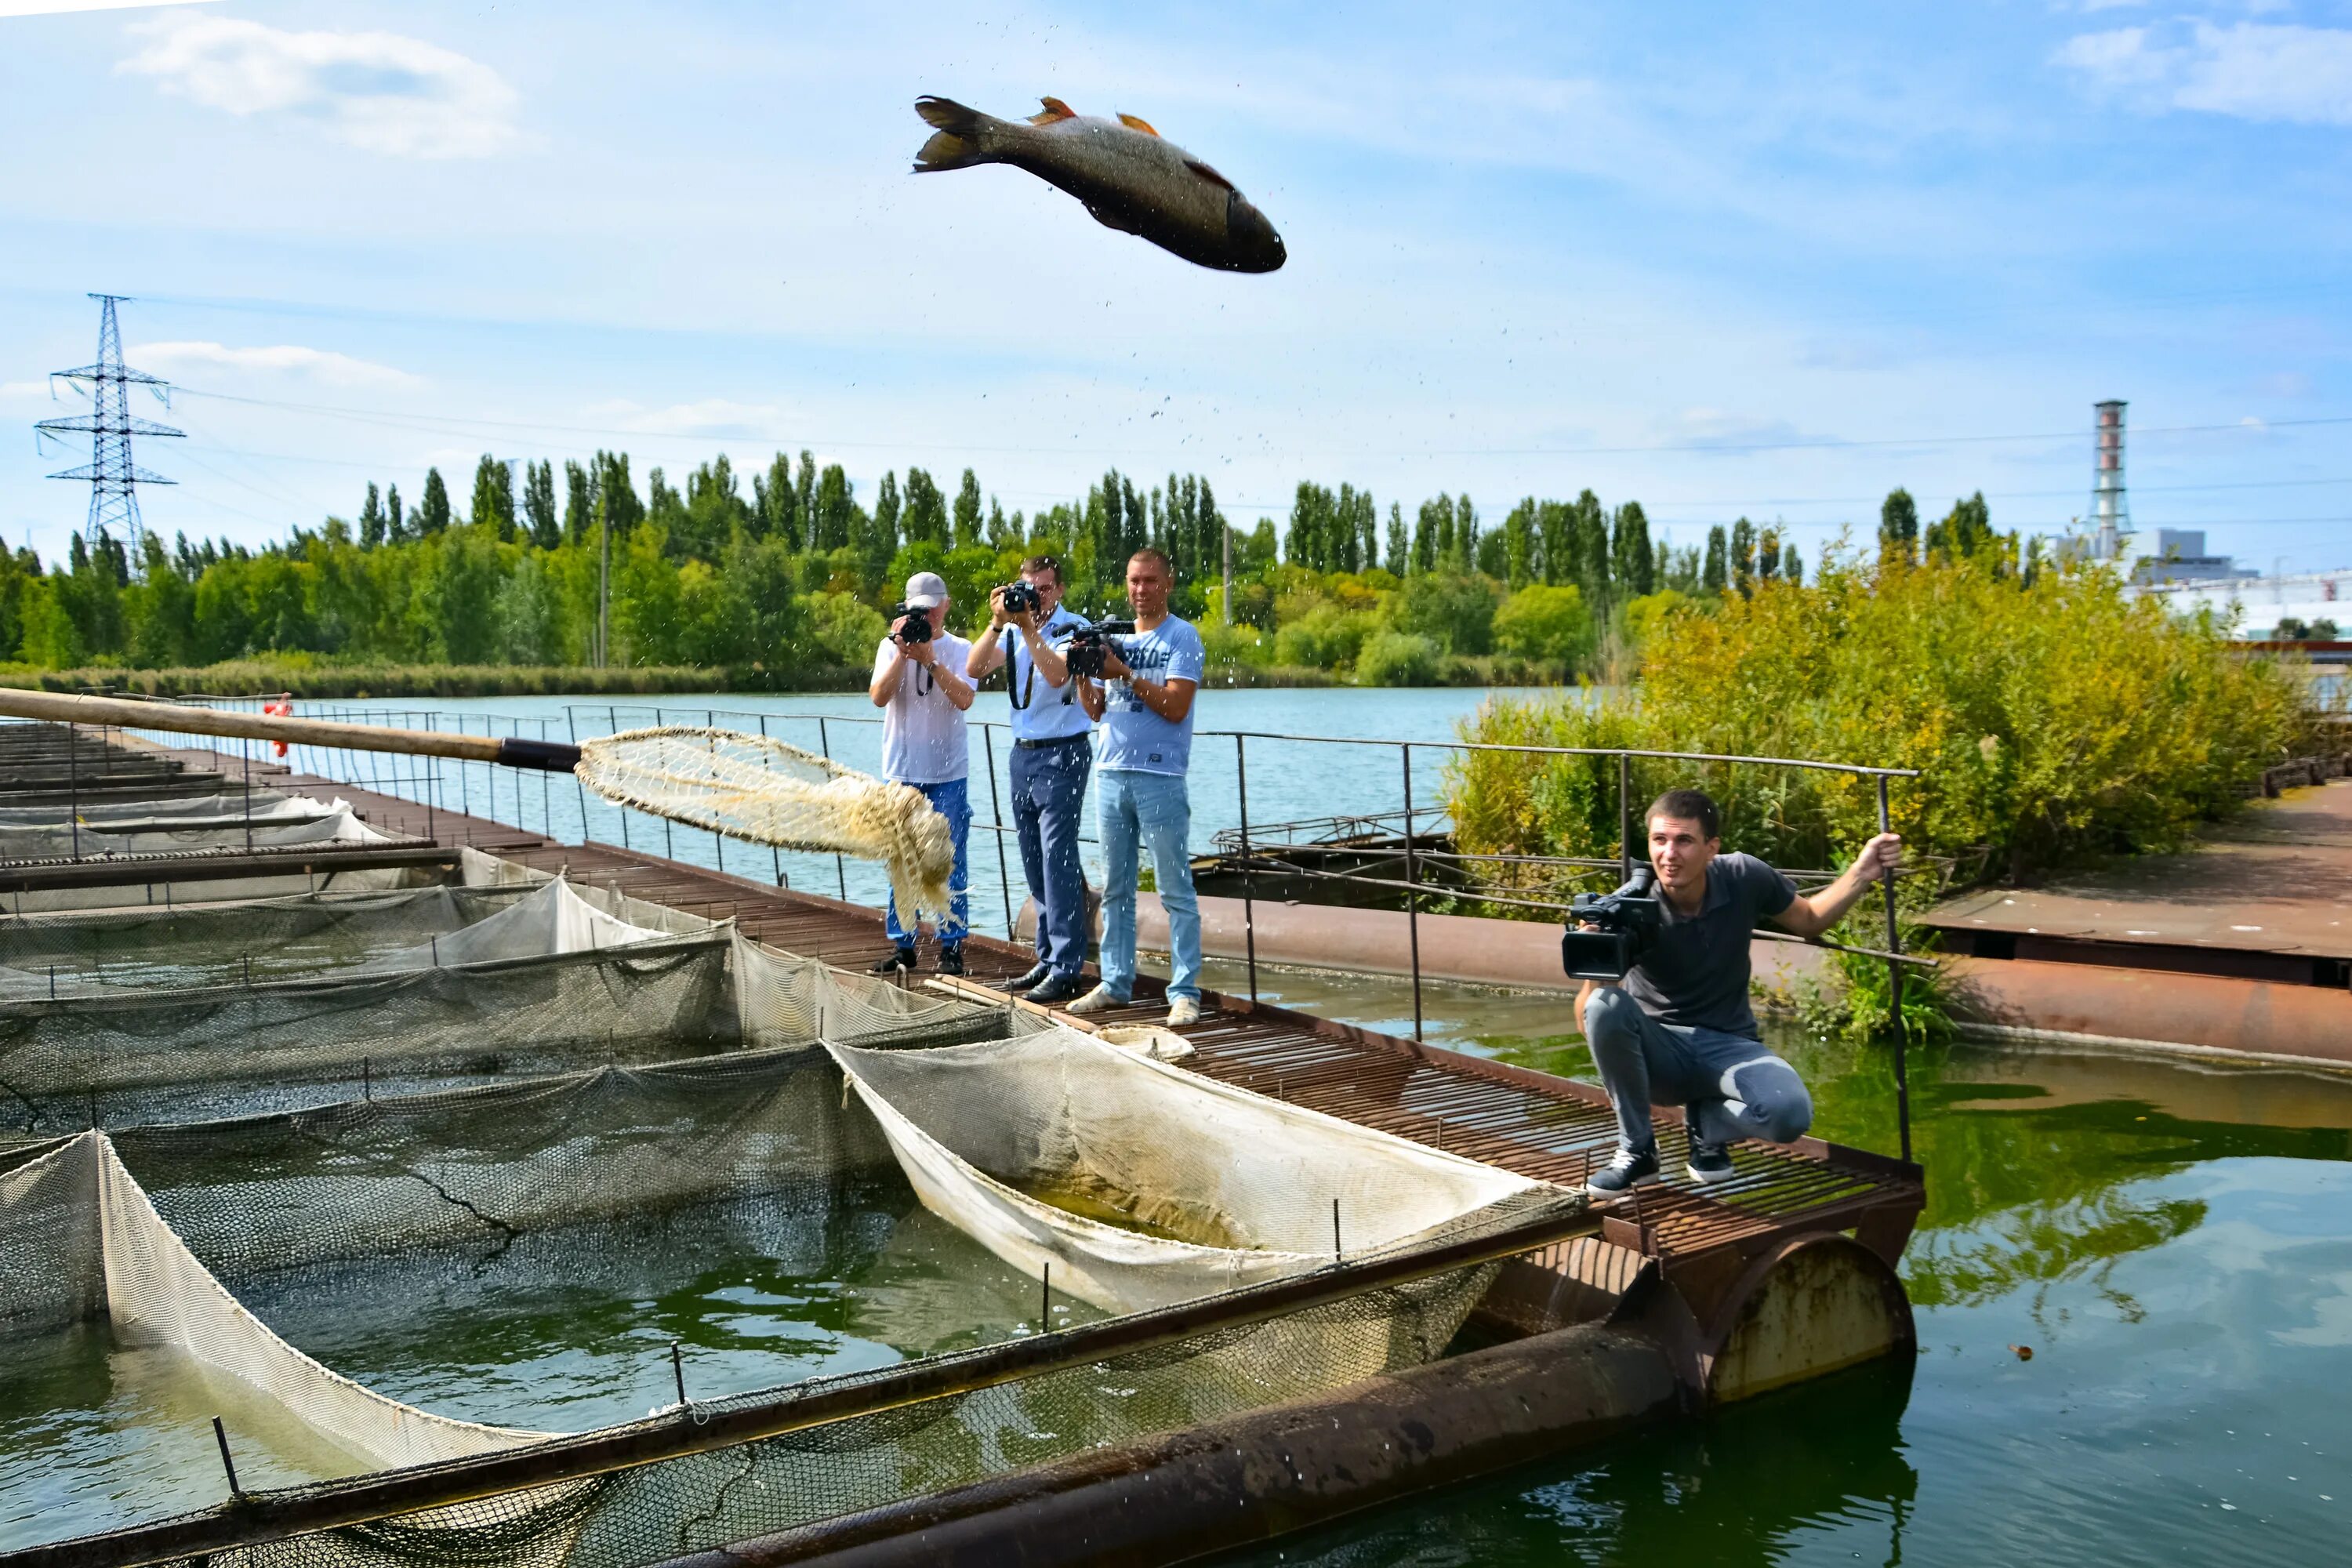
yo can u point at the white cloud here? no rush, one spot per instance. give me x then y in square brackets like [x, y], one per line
[2249, 71]
[27, 391]
[705, 417]
[379, 91]
[60, 7]
[324, 366]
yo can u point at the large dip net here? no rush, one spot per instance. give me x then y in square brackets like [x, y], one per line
[750, 787]
[165, 1232]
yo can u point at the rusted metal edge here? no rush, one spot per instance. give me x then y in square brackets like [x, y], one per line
[291, 858]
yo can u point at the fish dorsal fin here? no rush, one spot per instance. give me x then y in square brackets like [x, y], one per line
[1056, 109]
[1207, 174]
[1136, 122]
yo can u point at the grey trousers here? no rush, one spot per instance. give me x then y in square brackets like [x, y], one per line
[1734, 1085]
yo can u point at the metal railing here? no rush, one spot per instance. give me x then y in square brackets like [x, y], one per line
[429, 782]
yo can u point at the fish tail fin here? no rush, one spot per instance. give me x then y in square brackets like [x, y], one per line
[956, 144]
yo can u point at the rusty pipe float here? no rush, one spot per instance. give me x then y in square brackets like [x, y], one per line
[121, 714]
[1251, 1477]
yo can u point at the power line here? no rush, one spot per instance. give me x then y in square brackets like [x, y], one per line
[113, 477]
[441, 424]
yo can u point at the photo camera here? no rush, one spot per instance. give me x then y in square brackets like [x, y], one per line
[918, 627]
[1020, 598]
[1090, 643]
[1628, 921]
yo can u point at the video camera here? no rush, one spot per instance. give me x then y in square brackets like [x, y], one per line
[1020, 598]
[918, 627]
[1090, 643]
[1629, 921]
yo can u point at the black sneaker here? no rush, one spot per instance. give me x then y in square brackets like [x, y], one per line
[1056, 988]
[1708, 1161]
[1037, 976]
[901, 960]
[951, 961]
[1631, 1168]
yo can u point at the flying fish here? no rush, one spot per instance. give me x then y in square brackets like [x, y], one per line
[1130, 177]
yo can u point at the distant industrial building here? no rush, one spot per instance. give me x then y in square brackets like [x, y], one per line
[2179, 557]
[2311, 601]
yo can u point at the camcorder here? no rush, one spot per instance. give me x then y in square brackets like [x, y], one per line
[1090, 643]
[918, 627]
[1627, 923]
[1020, 598]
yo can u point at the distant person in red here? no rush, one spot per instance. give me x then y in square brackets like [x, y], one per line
[1678, 1027]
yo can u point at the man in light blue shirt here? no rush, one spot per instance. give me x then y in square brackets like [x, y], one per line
[1145, 703]
[1050, 765]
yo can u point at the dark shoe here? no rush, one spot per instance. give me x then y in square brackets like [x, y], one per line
[951, 961]
[900, 961]
[1631, 1168]
[1037, 976]
[1056, 988]
[1708, 1161]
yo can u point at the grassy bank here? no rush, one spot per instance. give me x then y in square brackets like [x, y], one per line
[2052, 722]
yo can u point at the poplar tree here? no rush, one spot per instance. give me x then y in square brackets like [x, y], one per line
[1712, 577]
[832, 506]
[1743, 555]
[776, 503]
[1589, 536]
[539, 504]
[494, 497]
[579, 501]
[396, 525]
[967, 510]
[1399, 552]
[1629, 555]
[371, 518]
[433, 511]
[1898, 527]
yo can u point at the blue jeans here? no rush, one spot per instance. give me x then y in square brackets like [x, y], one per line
[1734, 1085]
[1152, 809]
[950, 801]
[1049, 787]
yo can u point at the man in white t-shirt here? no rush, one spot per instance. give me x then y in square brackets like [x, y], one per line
[919, 686]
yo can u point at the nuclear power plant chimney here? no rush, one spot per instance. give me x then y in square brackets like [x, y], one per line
[2110, 515]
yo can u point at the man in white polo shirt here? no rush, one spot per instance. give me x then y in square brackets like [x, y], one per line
[919, 686]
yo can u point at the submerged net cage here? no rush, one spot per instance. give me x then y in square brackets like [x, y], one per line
[166, 1231]
[754, 788]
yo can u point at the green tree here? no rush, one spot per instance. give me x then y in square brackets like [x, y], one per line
[832, 505]
[539, 504]
[1399, 558]
[1792, 565]
[1546, 624]
[1398, 659]
[1713, 578]
[1631, 562]
[579, 501]
[776, 502]
[1965, 532]
[925, 518]
[1522, 544]
[395, 523]
[433, 511]
[494, 497]
[372, 521]
[968, 512]
[1453, 609]
[1743, 555]
[1898, 527]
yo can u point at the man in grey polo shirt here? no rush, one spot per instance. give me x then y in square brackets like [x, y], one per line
[1679, 1028]
[1051, 761]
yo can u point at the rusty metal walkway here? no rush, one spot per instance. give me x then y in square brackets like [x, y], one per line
[1549, 1128]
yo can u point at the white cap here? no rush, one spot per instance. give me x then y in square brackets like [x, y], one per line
[925, 590]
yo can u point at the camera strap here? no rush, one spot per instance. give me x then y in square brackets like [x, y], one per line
[1025, 689]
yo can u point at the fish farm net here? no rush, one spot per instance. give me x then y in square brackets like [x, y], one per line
[204, 834]
[163, 1229]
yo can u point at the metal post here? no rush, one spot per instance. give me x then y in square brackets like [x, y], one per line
[996, 807]
[613, 721]
[1249, 905]
[247, 746]
[825, 747]
[1411, 893]
[220, 1436]
[571, 730]
[73, 786]
[775, 855]
[1895, 980]
[1624, 824]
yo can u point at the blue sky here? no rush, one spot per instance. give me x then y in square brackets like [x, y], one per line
[1725, 260]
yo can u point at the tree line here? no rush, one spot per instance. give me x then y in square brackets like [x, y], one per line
[793, 571]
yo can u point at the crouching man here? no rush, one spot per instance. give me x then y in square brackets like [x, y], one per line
[1679, 1028]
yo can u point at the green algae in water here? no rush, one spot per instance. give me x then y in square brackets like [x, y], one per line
[1107, 1205]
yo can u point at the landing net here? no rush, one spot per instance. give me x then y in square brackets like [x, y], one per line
[754, 788]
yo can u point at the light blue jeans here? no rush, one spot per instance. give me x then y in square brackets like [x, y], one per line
[1149, 810]
[951, 801]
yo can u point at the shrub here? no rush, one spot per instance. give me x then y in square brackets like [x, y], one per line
[2051, 720]
[1398, 659]
[1326, 638]
[845, 629]
[1453, 609]
[1549, 625]
[1226, 645]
